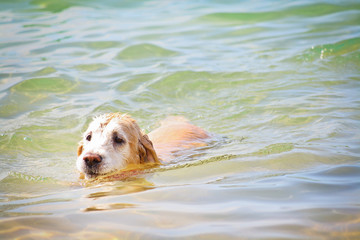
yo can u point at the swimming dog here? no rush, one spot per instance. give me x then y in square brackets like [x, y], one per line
[114, 141]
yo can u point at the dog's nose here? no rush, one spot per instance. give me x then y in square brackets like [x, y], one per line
[91, 159]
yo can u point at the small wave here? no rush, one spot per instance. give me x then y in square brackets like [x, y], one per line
[328, 51]
[44, 85]
[91, 45]
[91, 67]
[17, 177]
[275, 149]
[224, 157]
[142, 51]
[337, 173]
[44, 71]
[311, 10]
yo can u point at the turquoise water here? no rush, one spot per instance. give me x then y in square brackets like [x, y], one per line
[276, 82]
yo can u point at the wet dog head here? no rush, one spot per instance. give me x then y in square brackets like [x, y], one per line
[111, 142]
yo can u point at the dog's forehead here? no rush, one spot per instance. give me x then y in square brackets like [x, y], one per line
[114, 125]
[105, 124]
[97, 124]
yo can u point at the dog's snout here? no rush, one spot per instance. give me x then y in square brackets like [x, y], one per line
[91, 159]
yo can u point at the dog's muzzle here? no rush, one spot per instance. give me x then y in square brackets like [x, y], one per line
[92, 162]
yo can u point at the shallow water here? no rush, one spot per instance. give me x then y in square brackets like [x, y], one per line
[276, 82]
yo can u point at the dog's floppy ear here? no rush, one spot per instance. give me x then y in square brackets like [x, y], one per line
[146, 150]
[80, 148]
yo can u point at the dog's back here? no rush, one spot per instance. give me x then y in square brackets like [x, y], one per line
[176, 133]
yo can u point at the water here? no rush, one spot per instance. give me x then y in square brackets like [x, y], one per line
[277, 83]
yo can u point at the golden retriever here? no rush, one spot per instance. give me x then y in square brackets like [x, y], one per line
[114, 141]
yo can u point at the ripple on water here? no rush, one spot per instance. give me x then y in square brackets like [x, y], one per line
[91, 67]
[33, 92]
[310, 10]
[90, 45]
[338, 173]
[44, 71]
[46, 85]
[346, 49]
[143, 51]
[185, 83]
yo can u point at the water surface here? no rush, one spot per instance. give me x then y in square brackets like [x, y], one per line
[276, 82]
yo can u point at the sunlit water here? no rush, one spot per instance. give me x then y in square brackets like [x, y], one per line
[276, 82]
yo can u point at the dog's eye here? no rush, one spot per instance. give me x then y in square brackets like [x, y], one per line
[118, 140]
[88, 137]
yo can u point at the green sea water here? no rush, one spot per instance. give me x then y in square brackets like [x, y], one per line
[277, 83]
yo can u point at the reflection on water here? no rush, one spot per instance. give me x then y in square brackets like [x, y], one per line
[276, 83]
[122, 188]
